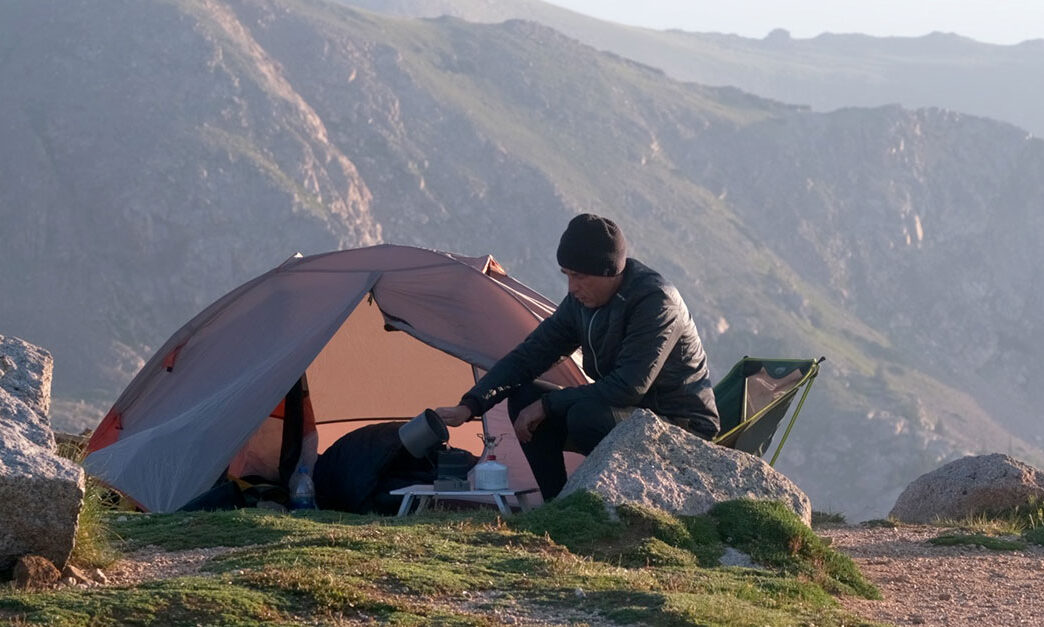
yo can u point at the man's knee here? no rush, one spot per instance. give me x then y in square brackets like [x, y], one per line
[587, 422]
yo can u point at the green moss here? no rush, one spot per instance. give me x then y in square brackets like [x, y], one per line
[1035, 535]
[640, 535]
[827, 518]
[706, 542]
[978, 539]
[879, 522]
[773, 535]
[443, 568]
[193, 530]
[656, 552]
[580, 522]
[180, 601]
[657, 523]
[695, 534]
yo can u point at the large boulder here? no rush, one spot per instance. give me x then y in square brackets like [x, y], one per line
[18, 418]
[648, 461]
[967, 487]
[25, 372]
[40, 492]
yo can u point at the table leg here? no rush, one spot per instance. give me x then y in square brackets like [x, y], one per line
[423, 503]
[502, 504]
[407, 500]
[523, 501]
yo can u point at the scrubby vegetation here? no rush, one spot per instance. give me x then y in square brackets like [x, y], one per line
[827, 518]
[978, 539]
[572, 560]
[879, 522]
[1007, 530]
[94, 546]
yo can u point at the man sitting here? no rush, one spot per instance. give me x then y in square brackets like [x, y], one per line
[640, 347]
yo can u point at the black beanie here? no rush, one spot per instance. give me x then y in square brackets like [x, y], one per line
[592, 245]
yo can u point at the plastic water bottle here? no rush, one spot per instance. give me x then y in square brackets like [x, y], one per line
[491, 475]
[302, 490]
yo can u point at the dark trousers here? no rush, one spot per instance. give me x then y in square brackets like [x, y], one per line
[580, 429]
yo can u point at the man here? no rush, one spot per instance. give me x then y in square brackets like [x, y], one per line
[639, 344]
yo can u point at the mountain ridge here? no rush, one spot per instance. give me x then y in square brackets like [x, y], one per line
[826, 72]
[224, 136]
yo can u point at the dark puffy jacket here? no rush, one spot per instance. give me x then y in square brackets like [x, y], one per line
[641, 349]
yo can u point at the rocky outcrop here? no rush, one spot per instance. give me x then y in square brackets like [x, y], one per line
[647, 461]
[25, 372]
[41, 492]
[969, 486]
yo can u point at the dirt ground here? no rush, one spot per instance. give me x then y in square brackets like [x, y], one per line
[924, 584]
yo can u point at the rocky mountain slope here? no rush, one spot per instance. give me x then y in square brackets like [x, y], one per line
[159, 154]
[151, 158]
[827, 72]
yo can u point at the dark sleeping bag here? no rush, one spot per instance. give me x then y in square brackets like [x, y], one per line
[357, 471]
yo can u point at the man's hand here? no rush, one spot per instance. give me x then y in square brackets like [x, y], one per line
[528, 420]
[454, 416]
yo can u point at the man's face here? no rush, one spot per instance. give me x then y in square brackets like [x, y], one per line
[592, 291]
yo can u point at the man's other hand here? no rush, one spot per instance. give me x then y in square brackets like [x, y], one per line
[528, 420]
[454, 416]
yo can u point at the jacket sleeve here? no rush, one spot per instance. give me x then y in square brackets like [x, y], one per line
[651, 332]
[555, 337]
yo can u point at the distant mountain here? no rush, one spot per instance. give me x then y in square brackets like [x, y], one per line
[158, 154]
[826, 72]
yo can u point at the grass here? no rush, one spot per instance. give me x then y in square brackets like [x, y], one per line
[827, 518]
[977, 539]
[1034, 536]
[572, 559]
[880, 522]
[1025, 520]
[94, 545]
[1011, 529]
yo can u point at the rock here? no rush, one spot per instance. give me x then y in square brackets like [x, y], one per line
[18, 418]
[75, 573]
[25, 372]
[272, 506]
[647, 461]
[98, 575]
[41, 492]
[969, 486]
[732, 557]
[34, 572]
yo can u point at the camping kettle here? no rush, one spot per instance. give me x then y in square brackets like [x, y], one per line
[423, 433]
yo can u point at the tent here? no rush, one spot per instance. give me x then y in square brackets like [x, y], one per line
[379, 333]
[375, 335]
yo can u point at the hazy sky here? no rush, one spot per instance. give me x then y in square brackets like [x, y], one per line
[994, 21]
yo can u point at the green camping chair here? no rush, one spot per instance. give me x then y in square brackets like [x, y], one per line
[754, 398]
